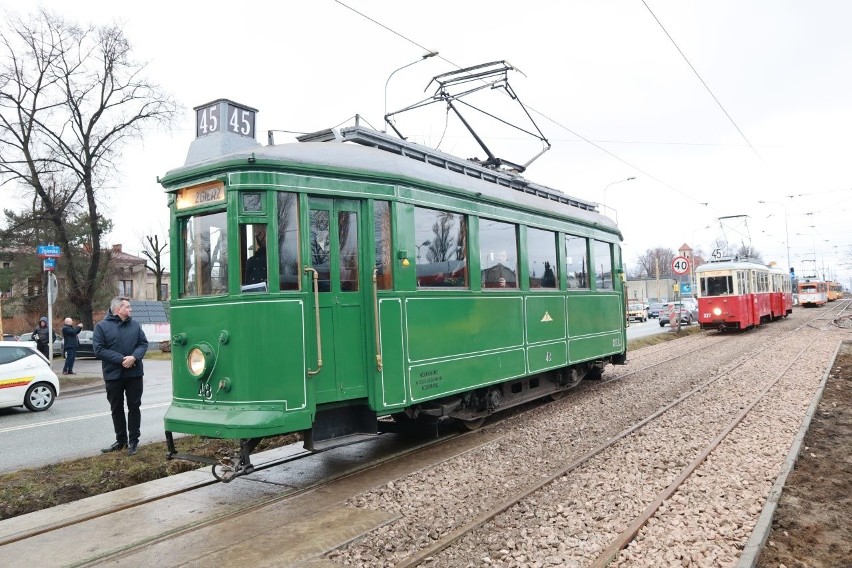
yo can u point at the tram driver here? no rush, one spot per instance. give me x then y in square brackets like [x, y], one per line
[256, 265]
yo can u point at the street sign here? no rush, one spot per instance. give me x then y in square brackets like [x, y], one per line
[685, 289]
[680, 265]
[49, 264]
[48, 251]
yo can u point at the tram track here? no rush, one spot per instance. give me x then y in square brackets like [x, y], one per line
[430, 554]
[480, 519]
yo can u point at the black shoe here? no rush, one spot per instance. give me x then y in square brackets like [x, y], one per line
[132, 448]
[116, 446]
[71, 373]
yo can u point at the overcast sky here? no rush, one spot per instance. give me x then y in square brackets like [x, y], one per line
[711, 106]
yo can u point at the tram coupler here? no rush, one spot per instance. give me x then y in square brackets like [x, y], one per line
[228, 469]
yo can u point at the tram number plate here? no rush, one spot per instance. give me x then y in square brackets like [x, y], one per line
[204, 390]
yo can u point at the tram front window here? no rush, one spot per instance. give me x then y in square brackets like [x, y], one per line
[717, 286]
[205, 255]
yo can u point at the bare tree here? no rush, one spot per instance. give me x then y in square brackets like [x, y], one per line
[653, 263]
[154, 251]
[70, 97]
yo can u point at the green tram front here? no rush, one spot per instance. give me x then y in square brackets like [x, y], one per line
[321, 285]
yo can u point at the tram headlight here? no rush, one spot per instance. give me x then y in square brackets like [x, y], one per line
[199, 360]
[717, 311]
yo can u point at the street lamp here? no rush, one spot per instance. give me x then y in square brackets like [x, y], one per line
[786, 231]
[422, 57]
[613, 183]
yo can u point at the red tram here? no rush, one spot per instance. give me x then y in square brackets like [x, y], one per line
[812, 292]
[739, 294]
[781, 295]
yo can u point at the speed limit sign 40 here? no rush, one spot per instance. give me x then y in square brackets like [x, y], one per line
[680, 265]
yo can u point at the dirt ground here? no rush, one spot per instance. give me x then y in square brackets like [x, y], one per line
[813, 523]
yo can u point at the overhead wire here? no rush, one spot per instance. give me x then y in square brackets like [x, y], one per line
[538, 112]
[701, 79]
[594, 144]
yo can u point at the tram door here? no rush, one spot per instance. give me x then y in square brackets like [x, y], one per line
[335, 253]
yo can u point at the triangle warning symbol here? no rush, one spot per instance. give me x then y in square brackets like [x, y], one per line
[546, 317]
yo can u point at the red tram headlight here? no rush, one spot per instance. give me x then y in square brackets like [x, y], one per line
[199, 360]
[717, 311]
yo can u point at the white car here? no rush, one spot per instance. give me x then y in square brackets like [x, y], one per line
[26, 378]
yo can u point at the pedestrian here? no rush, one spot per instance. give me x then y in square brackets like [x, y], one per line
[70, 344]
[120, 344]
[41, 335]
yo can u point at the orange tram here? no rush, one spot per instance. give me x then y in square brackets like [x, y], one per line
[739, 294]
[813, 292]
[835, 290]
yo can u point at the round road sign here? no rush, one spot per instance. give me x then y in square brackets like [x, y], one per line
[680, 265]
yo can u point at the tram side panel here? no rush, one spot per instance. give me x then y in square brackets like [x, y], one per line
[456, 344]
[255, 383]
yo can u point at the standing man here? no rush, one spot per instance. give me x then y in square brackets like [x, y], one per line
[120, 344]
[70, 344]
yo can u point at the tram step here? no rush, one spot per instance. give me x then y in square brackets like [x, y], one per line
[347, 440]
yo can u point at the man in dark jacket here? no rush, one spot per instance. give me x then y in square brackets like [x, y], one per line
[70, 344]
[41, 335]
[120, 344]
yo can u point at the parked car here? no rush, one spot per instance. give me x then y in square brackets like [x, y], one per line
[687, 312]
[86, 347]
[9, 337]
[654, 309]
[637, 311]
[26, 378]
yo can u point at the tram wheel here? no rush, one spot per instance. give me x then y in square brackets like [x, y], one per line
[474, 424]
[558, 395]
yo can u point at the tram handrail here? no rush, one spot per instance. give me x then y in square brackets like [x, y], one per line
[317, 313]
[379, 362]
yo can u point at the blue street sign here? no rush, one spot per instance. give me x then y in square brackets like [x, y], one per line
[48, 251]
[685, 288]
[49, 264]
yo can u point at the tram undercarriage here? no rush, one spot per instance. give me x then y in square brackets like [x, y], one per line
[339, 425]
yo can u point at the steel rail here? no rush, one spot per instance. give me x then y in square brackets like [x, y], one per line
[78, 519]
[628, 534]
[429, 552]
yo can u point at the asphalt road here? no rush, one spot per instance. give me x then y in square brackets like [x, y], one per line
[79, 424]
[644, 329]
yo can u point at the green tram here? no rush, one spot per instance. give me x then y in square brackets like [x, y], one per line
[353, 280]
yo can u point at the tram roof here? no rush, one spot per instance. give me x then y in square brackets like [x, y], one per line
[731, 264]
[373, 152]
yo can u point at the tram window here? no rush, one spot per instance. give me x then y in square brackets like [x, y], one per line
[205, 255]
[382, 236]
[603, 266]
[717, 285]
[541, 259]
[288, 241]
[347, 226]
[321, 247]
[253, 255]
[498, 254]
[577, 262]
[441, 241]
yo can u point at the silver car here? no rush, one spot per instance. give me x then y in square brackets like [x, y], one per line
[687, 311]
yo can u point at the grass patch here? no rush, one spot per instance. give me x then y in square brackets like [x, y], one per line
[29, 490]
